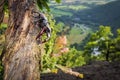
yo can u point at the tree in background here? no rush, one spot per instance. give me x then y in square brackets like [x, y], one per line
[104, 42]
[21, 55]
[99, 43]
[115, 56]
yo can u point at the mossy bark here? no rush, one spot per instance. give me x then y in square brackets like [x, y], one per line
[21, 55]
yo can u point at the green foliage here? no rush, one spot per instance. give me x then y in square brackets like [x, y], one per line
[1, 71]
[72, 59]
[105, 32]
[2, 40]
[77, 29]
[99, 40]
[60, 26]
[118, 33]
[58, 1]
[6, 6]
[41, 4]
[115, 56]
[77, 7]
[105, 45]
[3, 28]
[60, 13]
[116, 47]
[47, 60]
[44, 3]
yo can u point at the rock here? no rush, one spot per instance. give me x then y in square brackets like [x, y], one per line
[99, 70]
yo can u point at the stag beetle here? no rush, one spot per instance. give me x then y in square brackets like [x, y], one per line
[41, 21]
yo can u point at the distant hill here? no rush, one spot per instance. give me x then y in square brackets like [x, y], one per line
[86, 16]
[105, 14]
[108, 14]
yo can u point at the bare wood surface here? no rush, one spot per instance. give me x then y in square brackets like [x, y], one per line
[70, 71]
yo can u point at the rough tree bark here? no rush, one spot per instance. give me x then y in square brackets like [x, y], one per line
[22, 55]
[1, 10]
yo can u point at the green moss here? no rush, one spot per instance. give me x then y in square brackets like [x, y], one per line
[3, 28]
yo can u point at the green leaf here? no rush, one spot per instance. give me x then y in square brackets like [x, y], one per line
[39, 4]
[46, 6]
[43, 3]
[58, 1]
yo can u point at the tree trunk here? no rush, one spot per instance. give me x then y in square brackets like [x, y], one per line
[22, 55]
[107, 54]
[1, 10]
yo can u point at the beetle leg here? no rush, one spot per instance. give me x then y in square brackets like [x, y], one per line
[48, 34]
[40, 33]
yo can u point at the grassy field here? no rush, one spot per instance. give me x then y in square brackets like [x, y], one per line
[60, 13]
[73, 7]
